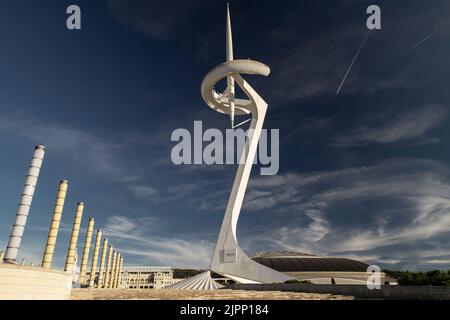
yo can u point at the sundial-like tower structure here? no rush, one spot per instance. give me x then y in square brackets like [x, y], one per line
[229, 259]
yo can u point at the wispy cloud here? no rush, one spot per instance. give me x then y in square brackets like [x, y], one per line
[121, 225]
[145, 192]
[159, 19]
[136, 236]
[395, 127]
[93, 152]
[333, 212]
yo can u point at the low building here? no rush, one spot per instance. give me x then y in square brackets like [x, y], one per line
[146, 277]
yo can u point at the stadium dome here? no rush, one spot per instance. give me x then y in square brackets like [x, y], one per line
[287, 261]
[316, 269]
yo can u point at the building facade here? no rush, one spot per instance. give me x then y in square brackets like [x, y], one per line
[145, 277]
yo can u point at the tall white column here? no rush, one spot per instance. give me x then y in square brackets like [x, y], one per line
[95, 258]
[18, 228]
[116, 273]
[101, 270]
[119, 276]
[70, 260]
[108, 267]
[113, 270]
[54, 226]
[87, 248]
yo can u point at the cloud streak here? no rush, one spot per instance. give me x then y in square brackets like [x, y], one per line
[333, 213]
[92, 152]
[136, 236]
[396, 127]
[159, 20]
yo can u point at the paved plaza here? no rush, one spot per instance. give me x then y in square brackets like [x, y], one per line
[223, 294]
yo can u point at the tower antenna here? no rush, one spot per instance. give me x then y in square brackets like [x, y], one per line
[230, 81]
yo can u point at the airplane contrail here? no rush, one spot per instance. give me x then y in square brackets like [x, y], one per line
[304, 125]
[353, 61]
[357, 54]
[419, 43]
[411, 49]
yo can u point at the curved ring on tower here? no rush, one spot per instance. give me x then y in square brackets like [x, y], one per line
[232, 68]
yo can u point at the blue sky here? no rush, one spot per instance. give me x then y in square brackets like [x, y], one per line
[363, 174]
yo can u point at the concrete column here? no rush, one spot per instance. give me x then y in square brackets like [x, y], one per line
[87, 248]
[119, 272]
[98, 239]
[74, 238]
[101, 270]
[54, 226]
[1, 256]
[108, 266]
[24, 205]
[116, 272]
[113, 270]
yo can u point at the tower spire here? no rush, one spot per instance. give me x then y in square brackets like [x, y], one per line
[229, 36]
[230, 80]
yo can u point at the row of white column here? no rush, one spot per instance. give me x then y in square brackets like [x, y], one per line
[108, 276]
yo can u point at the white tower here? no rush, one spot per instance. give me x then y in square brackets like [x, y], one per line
[18, 227]
[229, 259]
